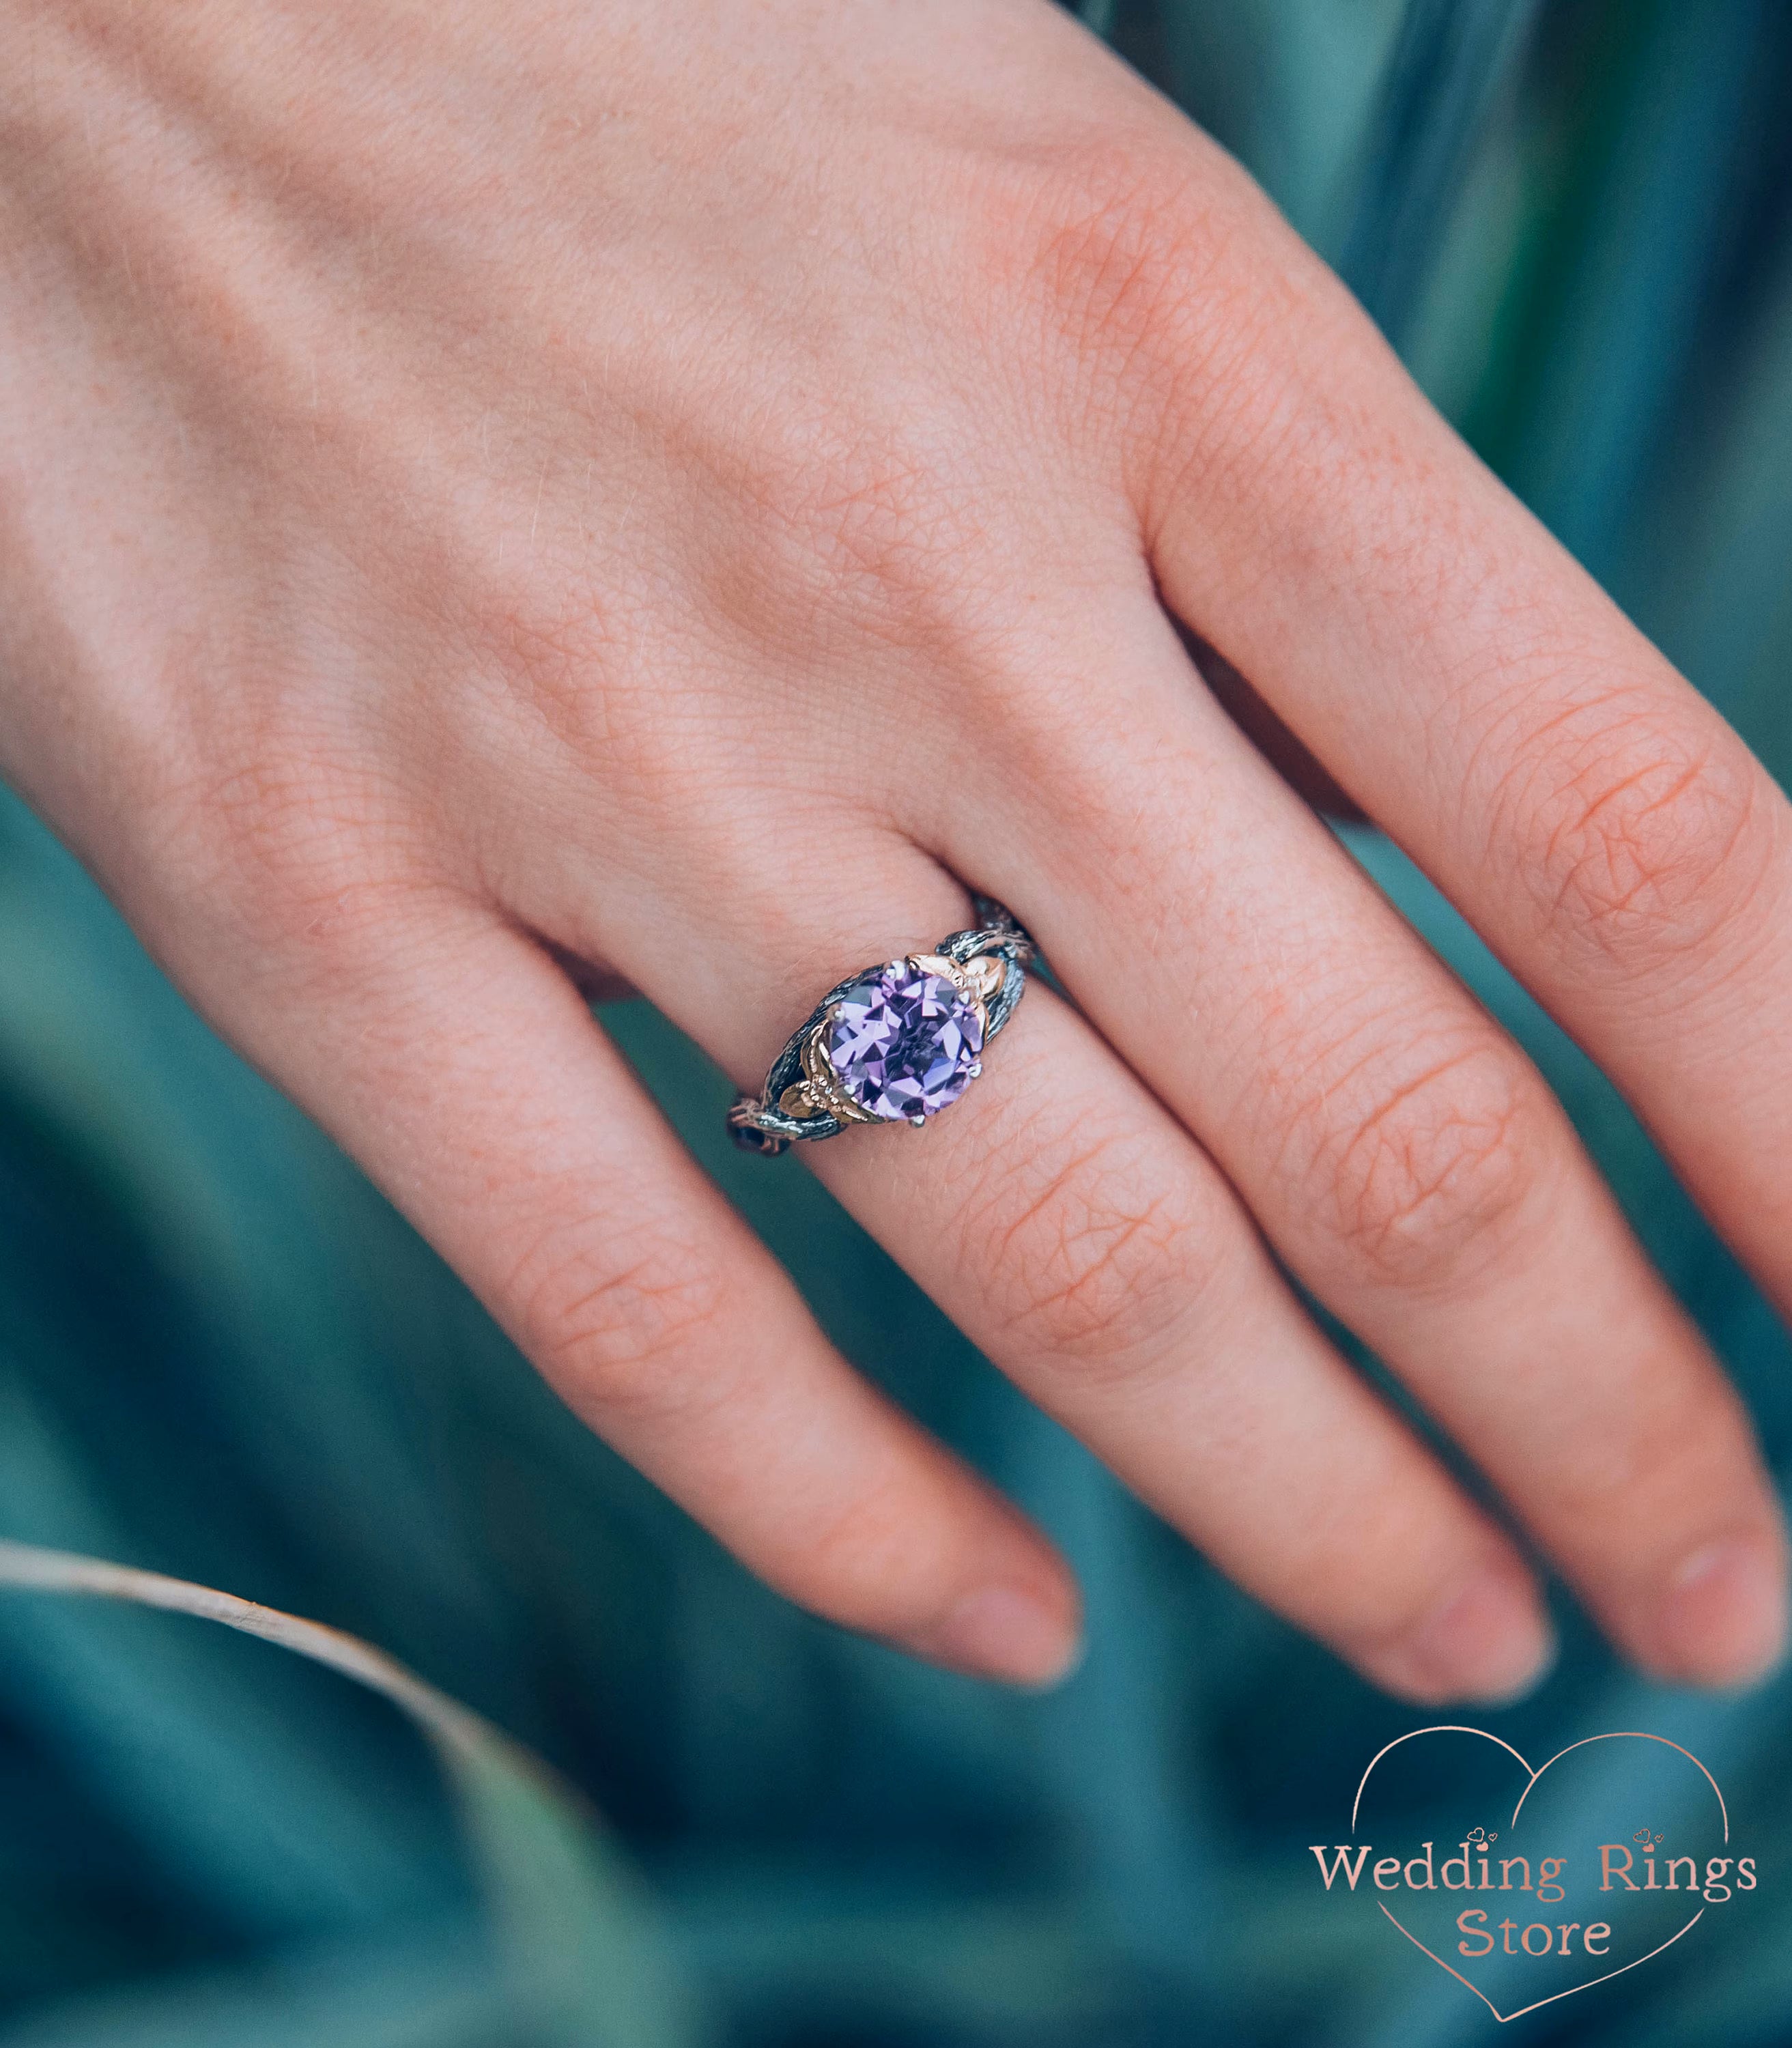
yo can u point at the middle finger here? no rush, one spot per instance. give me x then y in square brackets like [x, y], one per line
[1403, 1154]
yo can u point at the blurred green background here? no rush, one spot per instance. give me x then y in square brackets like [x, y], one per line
[222, 1356]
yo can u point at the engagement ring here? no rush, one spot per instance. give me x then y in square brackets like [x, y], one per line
[894, 1043]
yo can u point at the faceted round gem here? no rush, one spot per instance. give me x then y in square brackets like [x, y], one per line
[904, 1042]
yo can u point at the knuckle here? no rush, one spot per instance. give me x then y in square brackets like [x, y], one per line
[615, 707]
[1112, 245]
[1168, 281]
[1428, 1178]
[1095, 1254]
[1682, 1446]
[1644, 837]
[302, 855]
[861, 529]
[1126, 234]
[627, 1327]
[562, 665]
[550, 655]
[878, 1564]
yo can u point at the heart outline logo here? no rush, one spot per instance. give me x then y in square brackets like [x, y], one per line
[1613, 1734]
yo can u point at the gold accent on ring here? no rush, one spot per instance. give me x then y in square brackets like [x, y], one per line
[824, 1085]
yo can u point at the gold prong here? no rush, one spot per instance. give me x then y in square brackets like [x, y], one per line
[797, 1101]
[823, 1083]
[984, 974]
[815, 1062]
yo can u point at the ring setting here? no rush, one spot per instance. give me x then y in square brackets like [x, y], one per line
[894, 1043]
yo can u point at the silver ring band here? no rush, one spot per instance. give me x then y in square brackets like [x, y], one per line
[895, 1043]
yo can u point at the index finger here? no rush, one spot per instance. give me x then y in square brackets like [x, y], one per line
[1607, 833]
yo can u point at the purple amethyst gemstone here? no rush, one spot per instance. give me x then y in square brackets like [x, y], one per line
[904, 1043]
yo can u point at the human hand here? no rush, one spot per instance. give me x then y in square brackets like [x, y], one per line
[691, 491]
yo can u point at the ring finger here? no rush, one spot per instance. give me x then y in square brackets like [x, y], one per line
[1080, 1236]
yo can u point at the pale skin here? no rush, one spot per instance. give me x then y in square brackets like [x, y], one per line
[494, 499]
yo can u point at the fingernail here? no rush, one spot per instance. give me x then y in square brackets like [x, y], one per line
[1722, 1620]
[1488, 1642]
[1009, 1632]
